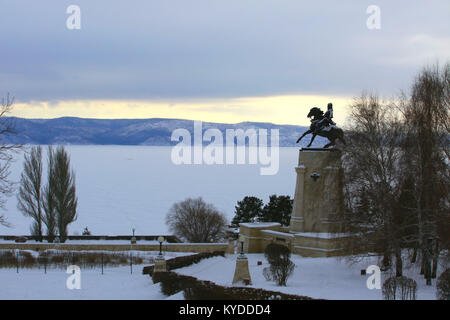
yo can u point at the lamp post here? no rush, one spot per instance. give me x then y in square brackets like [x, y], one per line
[17, 260]
[241, 240]
[133, 238]
[160, 240]
[242, 272]
[160, 262]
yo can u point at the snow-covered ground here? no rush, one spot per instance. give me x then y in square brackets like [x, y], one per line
[122, 283]
[115, 283]
[327, 278]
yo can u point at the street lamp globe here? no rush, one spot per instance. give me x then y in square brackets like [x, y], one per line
[160, 240]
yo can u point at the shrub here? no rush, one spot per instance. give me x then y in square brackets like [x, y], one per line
[207, 290]
[42, 258]
[137, 260]
[443, 285]
[273, 251]
[123, 260]
[57, 259]
[402, 288]
[267, 274]
[26, 259]
[63, 258]
[281, 266]
[8, 259]
[172, 282]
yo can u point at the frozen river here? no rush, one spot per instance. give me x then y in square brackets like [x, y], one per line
[125, 187]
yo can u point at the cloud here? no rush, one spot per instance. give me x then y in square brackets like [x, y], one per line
[275, 109]
[210, 49]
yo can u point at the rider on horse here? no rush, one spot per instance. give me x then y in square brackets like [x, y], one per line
[323, 122]
[323, 125]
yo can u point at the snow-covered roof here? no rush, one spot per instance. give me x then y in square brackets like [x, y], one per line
[259, 224]
[322, 235]
[278, 233]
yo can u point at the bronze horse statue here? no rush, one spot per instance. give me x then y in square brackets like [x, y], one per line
[324, 127]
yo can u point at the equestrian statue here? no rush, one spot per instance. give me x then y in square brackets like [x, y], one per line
[324, 126]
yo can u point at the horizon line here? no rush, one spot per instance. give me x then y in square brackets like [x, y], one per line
[155, 118]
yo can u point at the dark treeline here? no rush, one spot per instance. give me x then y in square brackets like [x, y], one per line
[253, 209]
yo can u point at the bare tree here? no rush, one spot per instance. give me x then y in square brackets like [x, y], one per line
[397, 172]
[6, 153]
[426, 163]
[63, 188]
[29, 196]
[48, 198]
[371, 162]
[196, 221]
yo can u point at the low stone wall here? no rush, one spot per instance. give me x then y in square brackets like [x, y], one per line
[168, 247]
[168, 238]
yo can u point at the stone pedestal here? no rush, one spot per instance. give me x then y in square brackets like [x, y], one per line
[160, 264]
[316, 228]
[318, 200]
[242, 273]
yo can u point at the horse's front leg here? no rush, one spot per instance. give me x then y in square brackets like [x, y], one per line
[304, 134]
[312, 139]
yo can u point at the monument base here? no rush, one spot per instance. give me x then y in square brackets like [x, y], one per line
[318, 199]
[257, 236]
[316, 227]
[160, 264]
[319, 244]
[242, 273]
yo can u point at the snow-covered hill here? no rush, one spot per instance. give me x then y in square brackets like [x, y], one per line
[152, 132]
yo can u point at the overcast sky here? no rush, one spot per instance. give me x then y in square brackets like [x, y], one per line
[192, 51]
